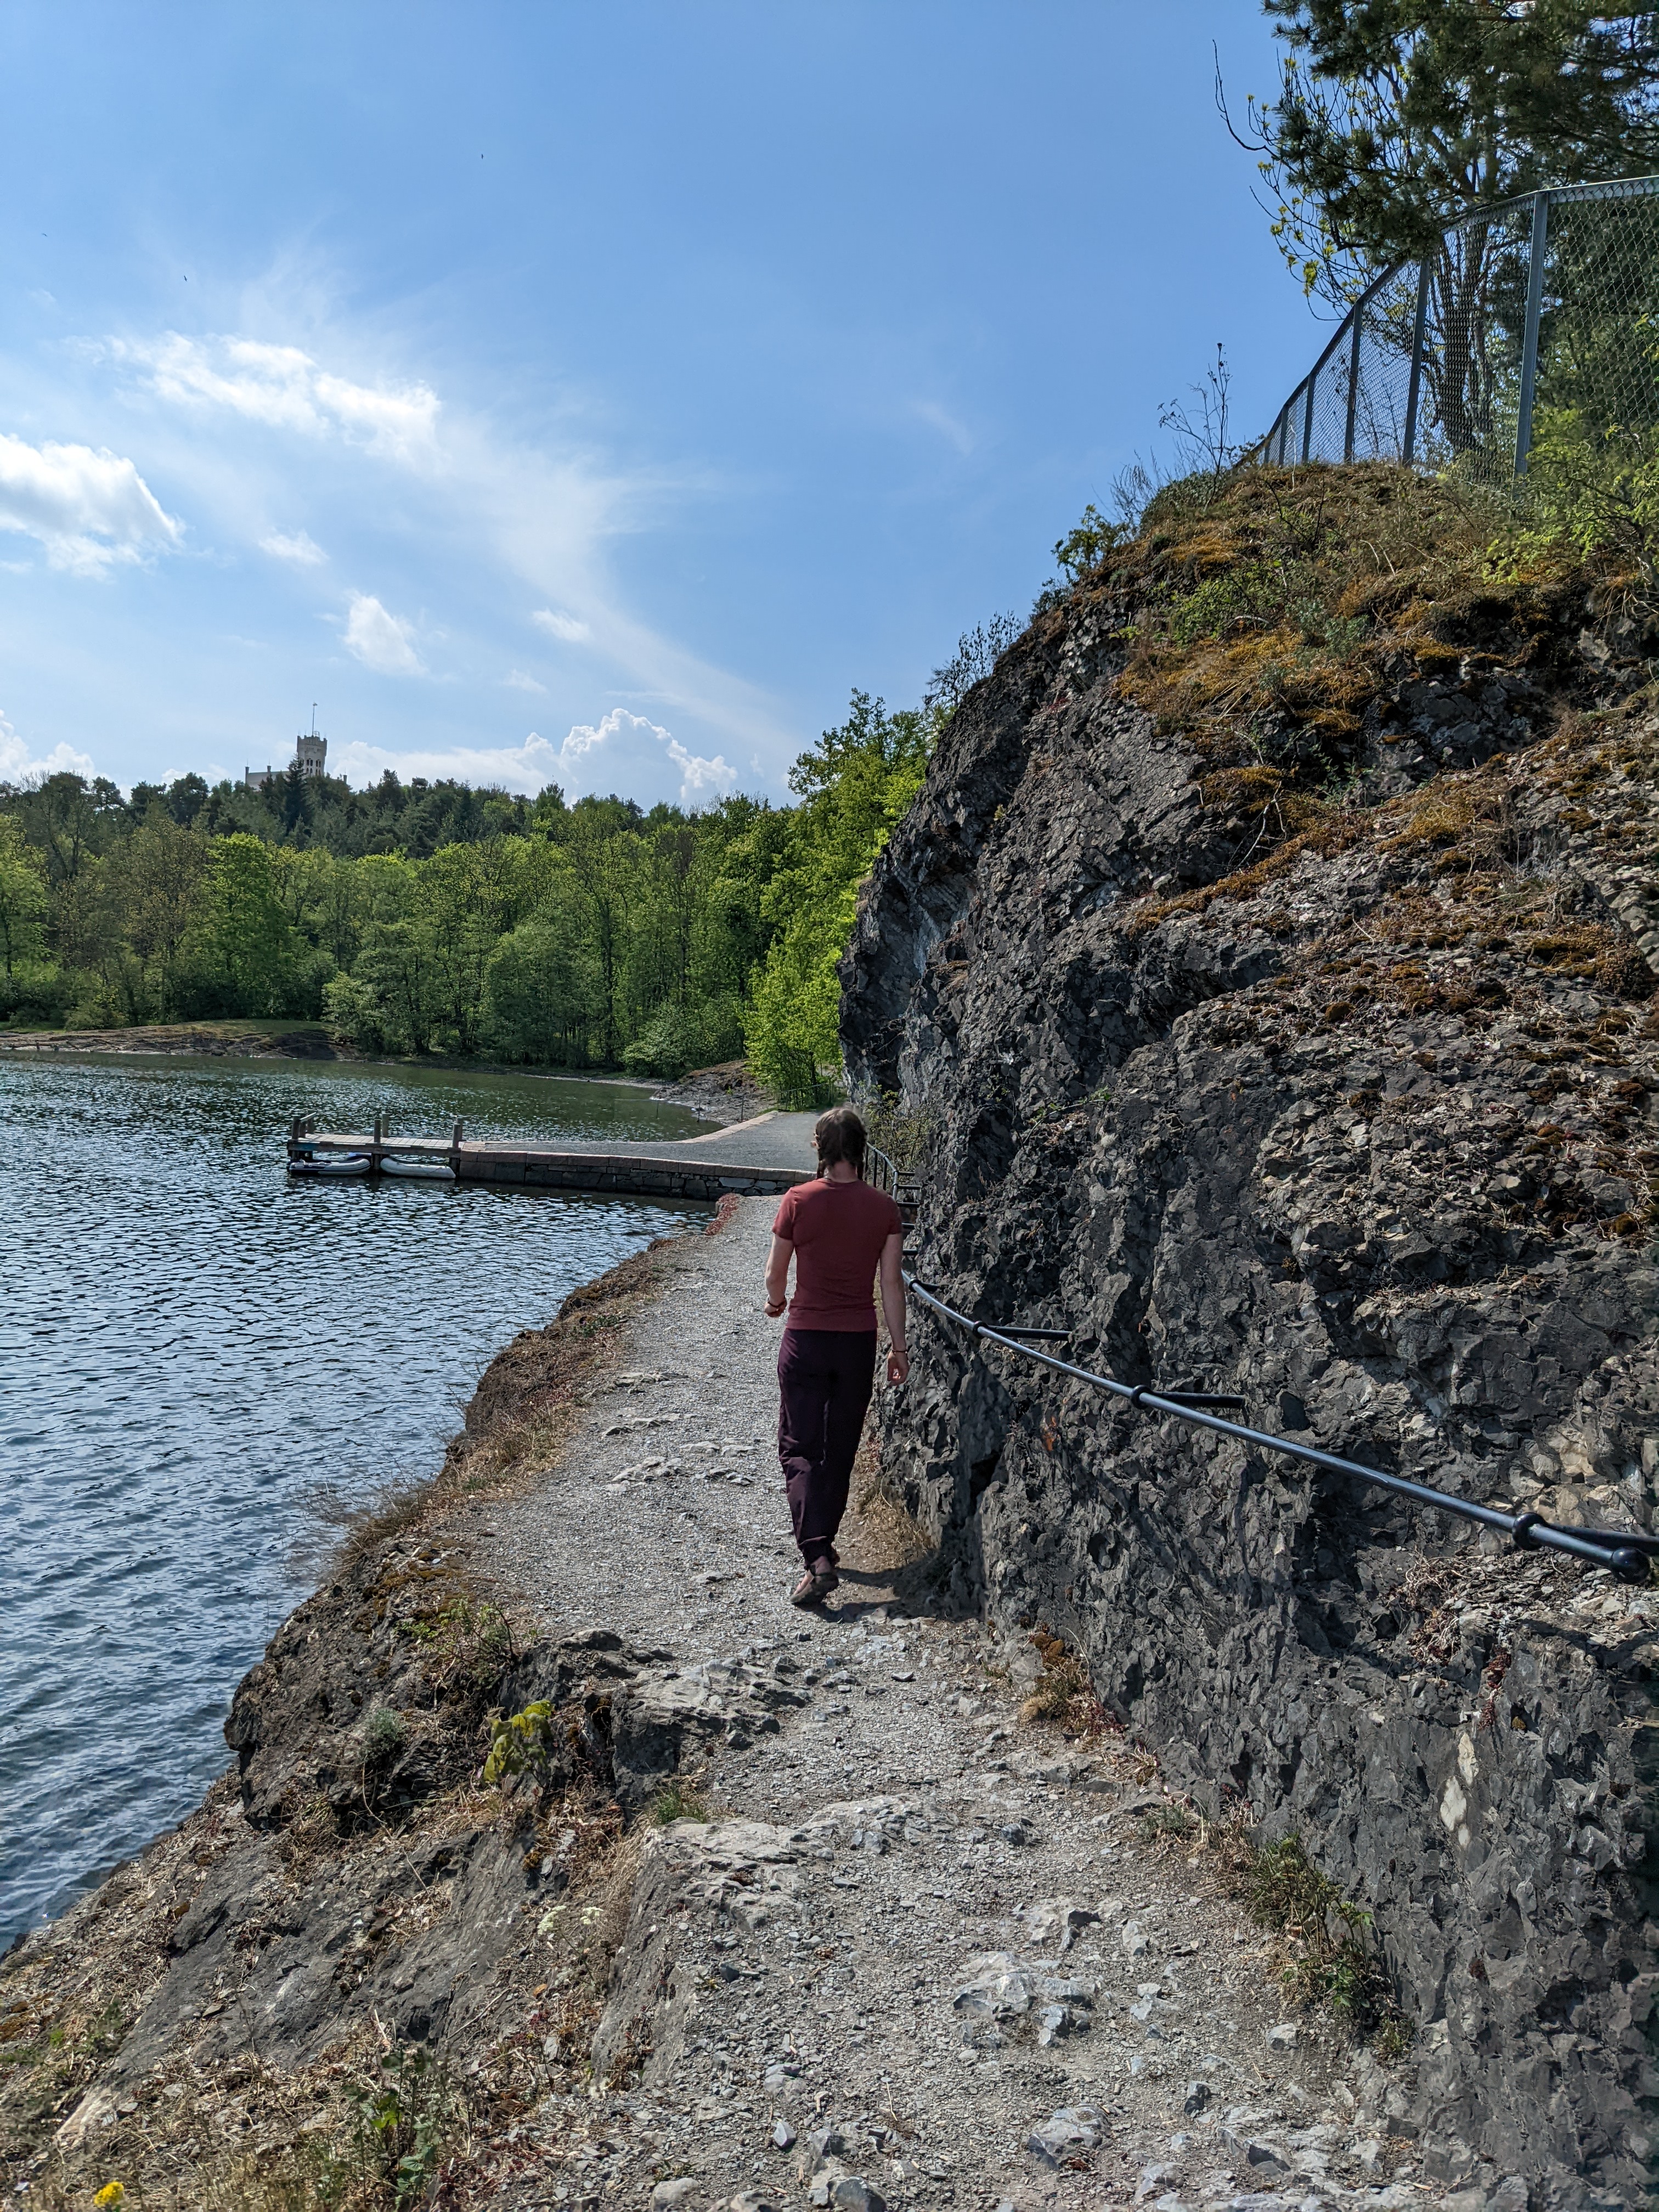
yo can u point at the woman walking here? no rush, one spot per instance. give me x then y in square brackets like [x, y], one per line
[840, 1232]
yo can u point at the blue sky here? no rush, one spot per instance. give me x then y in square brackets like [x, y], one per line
[592, 393]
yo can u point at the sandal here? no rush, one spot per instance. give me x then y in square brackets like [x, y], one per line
[814, 1585]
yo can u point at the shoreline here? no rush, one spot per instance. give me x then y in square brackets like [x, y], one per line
[723, 1094]
[613, 1959]
[109, 1952]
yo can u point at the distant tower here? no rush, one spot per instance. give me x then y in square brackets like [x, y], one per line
[310, 752]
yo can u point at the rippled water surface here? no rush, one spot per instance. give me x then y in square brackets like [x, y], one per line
[191, 1345]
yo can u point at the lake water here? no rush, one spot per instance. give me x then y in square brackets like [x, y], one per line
[194, 1345]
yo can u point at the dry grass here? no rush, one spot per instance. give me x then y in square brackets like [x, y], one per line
[1064, 1696]
[883, 1536]
[1264, 623]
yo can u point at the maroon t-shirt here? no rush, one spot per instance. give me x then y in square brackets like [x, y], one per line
[837, 1229]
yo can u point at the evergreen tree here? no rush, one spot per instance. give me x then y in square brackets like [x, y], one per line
[1395, 116]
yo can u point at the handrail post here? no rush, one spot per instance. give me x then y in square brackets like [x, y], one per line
[1413, 390]
[1358, 311]
[1540, 217]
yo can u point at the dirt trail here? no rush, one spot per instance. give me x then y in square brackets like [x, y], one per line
[784, 1909]
[921, 1952]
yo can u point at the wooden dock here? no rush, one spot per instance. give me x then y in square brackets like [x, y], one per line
[688, 1172]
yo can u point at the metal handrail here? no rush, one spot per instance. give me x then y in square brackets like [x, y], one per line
[1625, 1554]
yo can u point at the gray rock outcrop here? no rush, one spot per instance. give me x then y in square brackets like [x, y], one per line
[1358, 1124]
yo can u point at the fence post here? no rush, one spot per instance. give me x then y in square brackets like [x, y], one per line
[1540, 217]
[1358, 313]
[1307, 419]
[1413, 390]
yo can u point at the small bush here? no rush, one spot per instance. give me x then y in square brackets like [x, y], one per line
[900, 1130]
[1329, 1963]
[384, 1733]
[1593, 499]
[1087, 545]
[518, 1742]
[1167, 1821]
[677, 1801]
[405, 2118]
[1065, 1695]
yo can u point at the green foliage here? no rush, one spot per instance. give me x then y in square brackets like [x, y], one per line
[1593, 499]
[403, 2119]
[1393, 119]
[518, 1742]
[23, 898]
[247, 944]
[1330, 1963]
[1280, 580]
[686, 1034]
[1248, 594]
[855, 785]
[416, 921]
[677, 1801]
[1086, 546]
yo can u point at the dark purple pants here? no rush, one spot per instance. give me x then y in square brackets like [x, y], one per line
[825, 1376]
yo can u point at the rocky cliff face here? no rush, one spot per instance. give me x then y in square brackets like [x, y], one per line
[1337, 1091]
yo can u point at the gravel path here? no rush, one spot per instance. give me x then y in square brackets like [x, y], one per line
[921, 1954]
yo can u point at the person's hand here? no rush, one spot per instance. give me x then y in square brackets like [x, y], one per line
[898, 1363]
[774, 1311]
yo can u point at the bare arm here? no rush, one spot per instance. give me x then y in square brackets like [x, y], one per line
[777, 1276]
[892, 1306]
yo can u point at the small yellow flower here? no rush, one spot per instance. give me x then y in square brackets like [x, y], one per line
[112, 2194]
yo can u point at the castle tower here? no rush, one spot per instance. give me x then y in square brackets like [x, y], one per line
[310, 753]
[310, 750]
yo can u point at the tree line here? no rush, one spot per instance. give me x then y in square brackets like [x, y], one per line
[436, 919]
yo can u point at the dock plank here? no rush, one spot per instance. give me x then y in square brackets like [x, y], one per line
[682, 1174]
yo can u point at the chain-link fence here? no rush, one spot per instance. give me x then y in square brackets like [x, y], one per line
[1542, 312]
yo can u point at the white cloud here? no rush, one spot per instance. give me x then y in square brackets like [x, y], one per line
[623, 753]
[285, 389]
[381, 641]
[88, 507]
[249, 431]
[557, 625]
[299, 547]
[516, 680]
[17, 766]
[947, 425]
